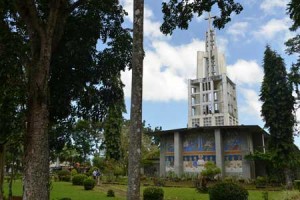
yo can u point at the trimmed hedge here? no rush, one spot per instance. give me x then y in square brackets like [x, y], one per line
[110, 193]
[89, 183]
[78, 179]
[153, 193]
[64, 175]
[227, 191]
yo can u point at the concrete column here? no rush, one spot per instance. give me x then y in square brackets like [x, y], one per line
[189, 103]
[162, 157]
[219, 151]
[178, 163]
[248, 165]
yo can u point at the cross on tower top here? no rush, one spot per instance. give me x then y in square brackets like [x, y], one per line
[209, 20]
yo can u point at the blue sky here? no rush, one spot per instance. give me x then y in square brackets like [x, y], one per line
[171, 60]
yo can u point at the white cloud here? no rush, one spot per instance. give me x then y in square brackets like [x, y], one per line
[199, 19]
[238, 29]
[270, 5]
[128, 6]
[251, 104]
[245, 72]
[272, 28]
[151, 27]
[222, 45]
[166, 69]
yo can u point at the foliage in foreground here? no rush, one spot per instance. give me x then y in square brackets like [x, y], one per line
[228, 191]
[153, 193]
[78, 179]
[89, 184]
[64, 175]
[110, 193]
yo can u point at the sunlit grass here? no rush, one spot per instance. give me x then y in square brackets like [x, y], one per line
[64, 189]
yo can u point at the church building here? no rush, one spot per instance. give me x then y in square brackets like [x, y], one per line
[213, 133]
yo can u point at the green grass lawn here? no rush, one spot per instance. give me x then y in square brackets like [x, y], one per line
[63, 189]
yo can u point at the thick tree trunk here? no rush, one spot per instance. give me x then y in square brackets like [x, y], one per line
[36, 160]
[288, 178]
[2, 165]
[136, 127]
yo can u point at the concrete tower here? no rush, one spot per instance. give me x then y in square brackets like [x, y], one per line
[212, 95]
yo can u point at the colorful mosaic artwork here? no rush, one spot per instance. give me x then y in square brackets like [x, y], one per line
[203, 142]
[169, 144]
[233, 163]
[196, 163]
[232, 148]
[169, 163]
[232, 142]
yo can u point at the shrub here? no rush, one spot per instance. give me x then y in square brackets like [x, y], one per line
[90, 172]
[78, 179]
[159, 181]
[118, 171]
[74, 172]
[110, 193]
[210, 170]
[297, 184]
[153, 193]
[64, 175]
[89, 183]
[227, 191]
[65, 198]
[201, 185]
[260, 181]
[231, 179]
[109, 178]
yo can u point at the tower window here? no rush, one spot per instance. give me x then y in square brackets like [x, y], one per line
[215, 96]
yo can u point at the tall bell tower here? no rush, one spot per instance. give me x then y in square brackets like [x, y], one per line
[212, 95]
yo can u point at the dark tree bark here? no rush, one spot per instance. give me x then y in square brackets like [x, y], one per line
[41, 34]
[288, 178]
[136, 125]
[2, 163]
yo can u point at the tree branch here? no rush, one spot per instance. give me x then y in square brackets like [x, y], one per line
[28, 12]
[52, 18]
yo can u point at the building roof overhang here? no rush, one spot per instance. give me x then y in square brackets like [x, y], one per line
[249, 128]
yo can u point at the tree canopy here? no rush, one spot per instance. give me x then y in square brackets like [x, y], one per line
[65, 74]
[178, 13]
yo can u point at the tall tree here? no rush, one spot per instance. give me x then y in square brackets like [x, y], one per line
[136, 126]
[277, 111]
[44, 24]
[58, 74]
[112, 131]
[176, 14]
[293, 47]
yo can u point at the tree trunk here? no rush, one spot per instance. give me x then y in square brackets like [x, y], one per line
[36, 160]
[288, 178]
[2, 165]
[12, 176]
[136, 127]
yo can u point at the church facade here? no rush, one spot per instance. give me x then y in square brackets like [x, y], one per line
[187, 150]
[213, 133]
